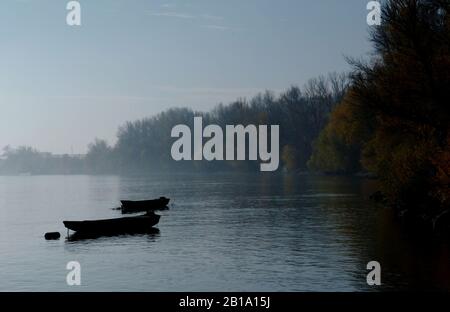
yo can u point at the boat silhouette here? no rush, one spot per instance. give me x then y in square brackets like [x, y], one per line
[130, 206]
[117, 226]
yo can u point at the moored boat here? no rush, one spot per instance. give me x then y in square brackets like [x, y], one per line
[130, 206]
[114, 226]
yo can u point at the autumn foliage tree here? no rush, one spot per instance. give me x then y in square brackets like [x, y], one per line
[396, 113]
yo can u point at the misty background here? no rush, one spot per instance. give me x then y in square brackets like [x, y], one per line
[64, 86]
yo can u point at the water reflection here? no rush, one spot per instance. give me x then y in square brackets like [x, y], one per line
[325, 228]
[224, 232]
[81, 236]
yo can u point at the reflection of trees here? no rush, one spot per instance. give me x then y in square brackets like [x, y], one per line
[370, 232]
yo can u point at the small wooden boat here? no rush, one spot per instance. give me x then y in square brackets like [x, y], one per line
[115, 226]
[129, 206]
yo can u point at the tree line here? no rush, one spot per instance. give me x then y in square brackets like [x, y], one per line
[394, 118]
[143, 146]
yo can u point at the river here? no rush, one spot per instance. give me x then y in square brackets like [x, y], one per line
[223, 232]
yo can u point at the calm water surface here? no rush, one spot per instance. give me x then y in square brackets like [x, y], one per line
[222, 233]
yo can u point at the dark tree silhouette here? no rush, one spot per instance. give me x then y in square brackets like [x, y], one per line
[395, 117]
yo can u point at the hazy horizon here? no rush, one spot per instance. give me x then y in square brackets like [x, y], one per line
[64, 86]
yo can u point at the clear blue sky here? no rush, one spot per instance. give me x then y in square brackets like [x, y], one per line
[61, 86]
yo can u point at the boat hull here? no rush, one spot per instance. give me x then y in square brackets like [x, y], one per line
[114, 226]
[129, 206]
